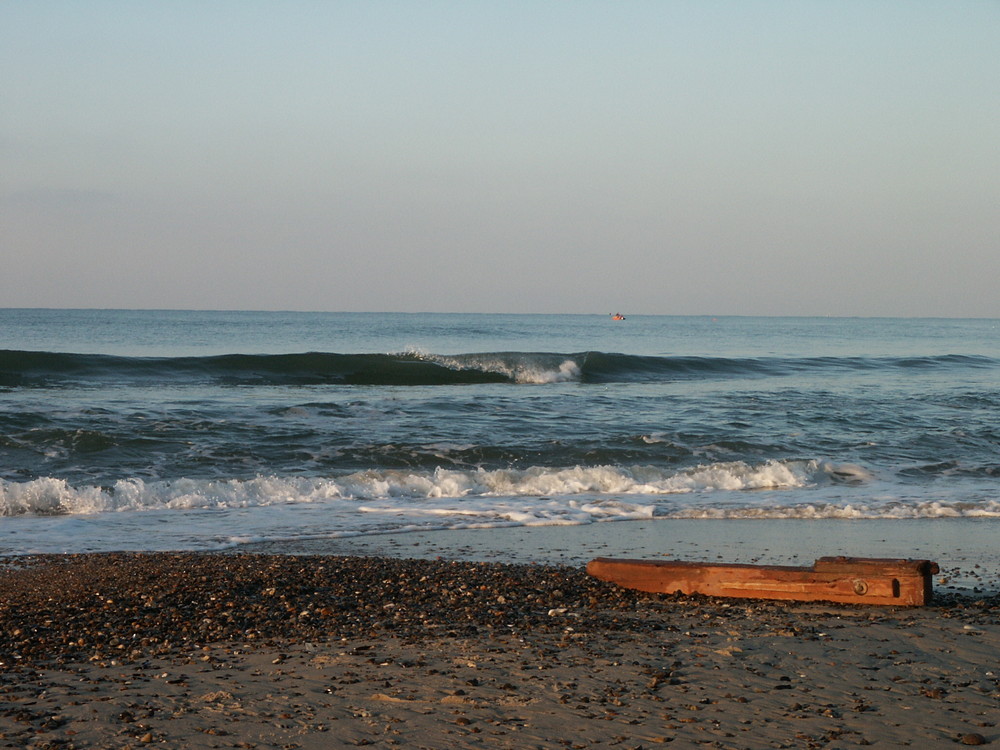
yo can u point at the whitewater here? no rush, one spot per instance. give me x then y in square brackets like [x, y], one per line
[212, 430]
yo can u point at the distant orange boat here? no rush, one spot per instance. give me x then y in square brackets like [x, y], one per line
[618, 316]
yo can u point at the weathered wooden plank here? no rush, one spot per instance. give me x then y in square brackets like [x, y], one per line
[835, 579]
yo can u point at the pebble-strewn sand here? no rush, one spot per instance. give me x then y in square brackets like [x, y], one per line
[262, 651]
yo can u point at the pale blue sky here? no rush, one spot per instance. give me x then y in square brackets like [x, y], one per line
[745, 157]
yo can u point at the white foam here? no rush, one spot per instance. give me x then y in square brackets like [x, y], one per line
[522, 370]
[49, 496]
[53, 515]
[569, 371]
[46, 496]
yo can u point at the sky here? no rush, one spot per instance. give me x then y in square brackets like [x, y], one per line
[753, 157]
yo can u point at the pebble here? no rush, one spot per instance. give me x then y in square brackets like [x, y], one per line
[169, 601]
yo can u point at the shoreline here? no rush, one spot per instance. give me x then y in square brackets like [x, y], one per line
[201, 650]
[965, 548]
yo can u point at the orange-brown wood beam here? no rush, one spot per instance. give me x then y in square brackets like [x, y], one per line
[852, 580]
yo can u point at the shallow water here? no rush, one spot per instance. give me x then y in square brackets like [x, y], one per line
[203, 430]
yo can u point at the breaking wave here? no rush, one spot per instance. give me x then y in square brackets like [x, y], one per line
[27, 368]
[723, 490]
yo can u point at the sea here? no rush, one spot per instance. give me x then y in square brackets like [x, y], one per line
[217, 430]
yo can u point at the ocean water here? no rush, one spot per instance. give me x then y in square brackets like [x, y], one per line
[151, 430]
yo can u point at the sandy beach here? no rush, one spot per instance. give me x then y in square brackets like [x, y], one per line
[266, 651]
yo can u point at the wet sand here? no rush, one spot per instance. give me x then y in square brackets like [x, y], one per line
[268, 651]
[966, 549]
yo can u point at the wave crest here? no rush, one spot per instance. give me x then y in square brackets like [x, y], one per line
[34, 369]
[51, 496]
